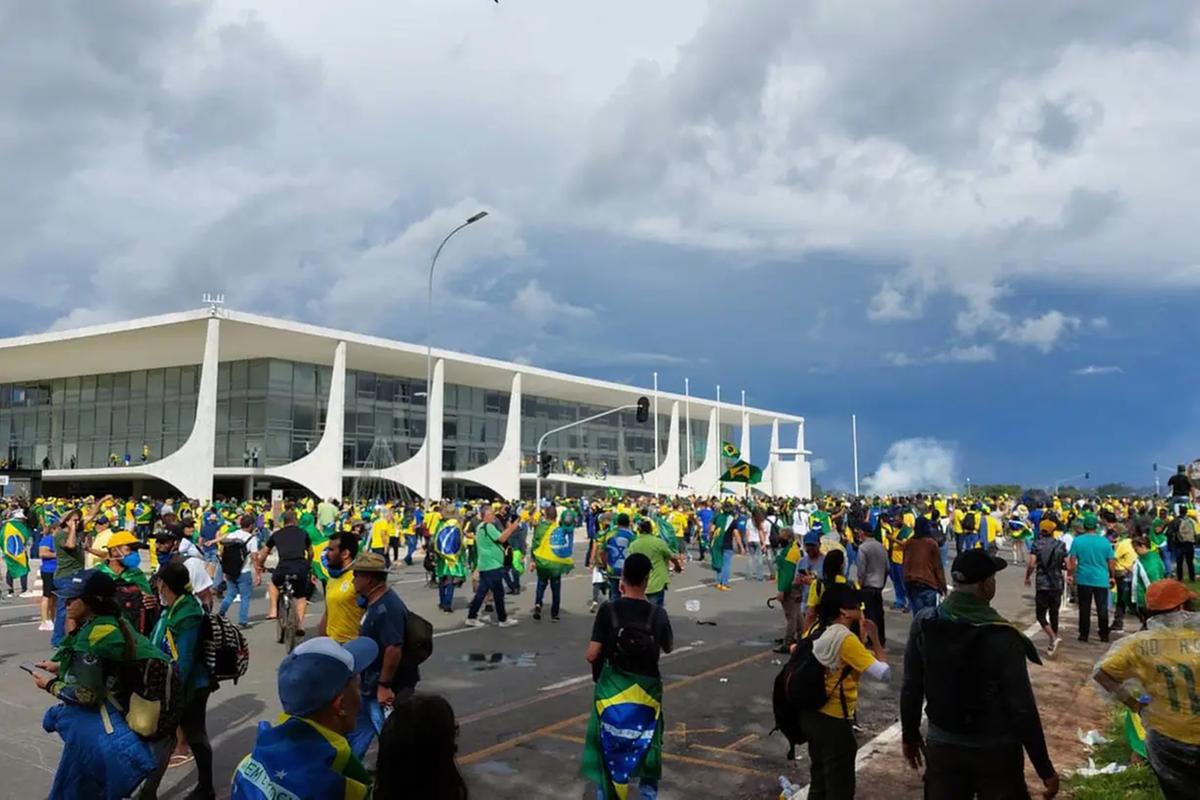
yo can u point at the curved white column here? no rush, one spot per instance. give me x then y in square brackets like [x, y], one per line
[411, 473]
[320, 471]
[767, 486]
[503, 473]
[664, 477]
[190, 468]
[703, 479]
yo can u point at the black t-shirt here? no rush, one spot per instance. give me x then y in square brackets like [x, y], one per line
[1180, 485]
[290, 542]
[635, 612]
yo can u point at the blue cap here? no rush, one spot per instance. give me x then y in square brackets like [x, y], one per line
[812, 537]
[317, 671]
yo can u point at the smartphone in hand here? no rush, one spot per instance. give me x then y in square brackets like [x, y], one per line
[34, 669]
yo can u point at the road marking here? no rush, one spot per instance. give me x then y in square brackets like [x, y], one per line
[732, 748]
[455, 631]
[727, 752]
[702, 586]
[700, 762]
[581, 678]
[554, 727]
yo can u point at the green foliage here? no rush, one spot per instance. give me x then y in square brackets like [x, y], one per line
[996, 489]
[1115, 490]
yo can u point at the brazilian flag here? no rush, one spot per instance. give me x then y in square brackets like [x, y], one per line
[625, 732]
[742, 472]
[448, 548]
[729, 451]
[1135, 733]
[666, 532]
[721, 525]
[16, 544]
[553, 547]
[317, 538]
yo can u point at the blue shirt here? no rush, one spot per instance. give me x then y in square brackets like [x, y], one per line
[1092, 553]
[385, 622]
[48, 564]
[706, 517]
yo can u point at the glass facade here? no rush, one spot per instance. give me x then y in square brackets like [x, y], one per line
[272, 411]
[92, 420]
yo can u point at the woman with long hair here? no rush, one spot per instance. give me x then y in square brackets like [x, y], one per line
[416, 751]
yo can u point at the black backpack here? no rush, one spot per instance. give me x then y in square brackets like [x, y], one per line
[418, 640]
[634, 644]
[233, 557]
[799, 687]
[223, 649]
[131, 600]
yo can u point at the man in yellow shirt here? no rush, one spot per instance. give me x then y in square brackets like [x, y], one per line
[1163, 662]
[381, 530]
[342, 615]
[1125, 557]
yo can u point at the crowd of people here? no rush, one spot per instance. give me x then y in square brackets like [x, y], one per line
[135, 592]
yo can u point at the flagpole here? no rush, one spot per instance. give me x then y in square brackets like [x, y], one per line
[720, 464]
[746, 436]
[687, 405]
[854, 438]
[656, 473]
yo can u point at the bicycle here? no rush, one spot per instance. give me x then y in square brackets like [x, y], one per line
[287, 620]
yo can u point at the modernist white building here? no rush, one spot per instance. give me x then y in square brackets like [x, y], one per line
[223, 402]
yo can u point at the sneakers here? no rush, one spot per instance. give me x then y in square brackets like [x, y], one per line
[553, 618]
[473, 622]
[508, 623]
[46, 626]
[722, 587]
[1053, 648]
[592, 606]
[537, 613]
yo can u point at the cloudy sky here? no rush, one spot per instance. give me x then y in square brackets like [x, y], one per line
[971, 224]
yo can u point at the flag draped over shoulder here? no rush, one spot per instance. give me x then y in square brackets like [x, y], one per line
[742, 472]
[317, 538]
[716, 549]
[16, 543]
[553, 549]
[624, 735]
[665, 531]
[448, 547]
[729, 451]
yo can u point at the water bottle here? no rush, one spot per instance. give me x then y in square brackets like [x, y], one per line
[787, 789]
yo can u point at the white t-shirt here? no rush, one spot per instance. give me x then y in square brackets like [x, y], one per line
[197, 571]
[245, 537]
[757, 533]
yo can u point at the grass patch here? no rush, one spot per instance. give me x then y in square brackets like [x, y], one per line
[1135, 783]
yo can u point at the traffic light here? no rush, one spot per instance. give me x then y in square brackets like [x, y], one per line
[544, 462]
[643, 409]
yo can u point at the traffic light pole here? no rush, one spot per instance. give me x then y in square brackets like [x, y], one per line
[551, 432]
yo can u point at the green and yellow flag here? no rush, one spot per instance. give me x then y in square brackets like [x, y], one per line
[16, 543]
[729, 451]
[742, 472]
[625, 732]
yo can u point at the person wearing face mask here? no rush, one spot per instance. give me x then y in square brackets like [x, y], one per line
[134, 596]
[342, 611]
[173, 545]
[177, 634]
[306, 756]
[974, 740]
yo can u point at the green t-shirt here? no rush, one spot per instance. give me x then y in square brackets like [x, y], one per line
[487, 544]
[660, 555]
[68, 561]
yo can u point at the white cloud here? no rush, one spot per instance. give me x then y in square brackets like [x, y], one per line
[1042, 333]
[1099, 323]
[969, 354]
[818, 466]
[1092, 369]
[537, 305]
[913, 465]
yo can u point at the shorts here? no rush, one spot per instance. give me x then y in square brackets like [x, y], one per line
[47, 584]
[301, 584]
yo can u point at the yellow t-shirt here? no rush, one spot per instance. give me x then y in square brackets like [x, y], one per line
[855, 655]
[678, 521]
[1166, 662]
[342, 614]
[100, 542]
[1125, 555]
[381, 529]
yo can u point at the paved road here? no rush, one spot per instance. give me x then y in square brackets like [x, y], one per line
[522, 693]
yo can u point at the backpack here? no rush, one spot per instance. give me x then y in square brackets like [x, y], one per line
[418, 640]
[632, 644]
[130, 599]
[223, 649]
[156, 696]
[233, 557]
[773, 540]
[800, 686]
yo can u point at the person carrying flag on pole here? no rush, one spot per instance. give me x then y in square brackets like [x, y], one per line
[16, 552]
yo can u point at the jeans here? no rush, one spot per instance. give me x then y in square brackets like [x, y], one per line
[831, 752]
[193, 723]
[599, 591]
[988, 773]
[370, 723]
[490, 580]
[920, 597]
[647, 790]
[242, 586]
[1124, 603]
[60, 612]
[512, 579]
[1167, 553]
[387, 561]
[614, 589]
[897, 573]
[726, 568]
[754, 566]
[1185, 553]
[1086, 595]
[1176, 764]
[873, 610]
[412, 546]
[394, 548]
[555, 584]
[446, 592]
[658, 598]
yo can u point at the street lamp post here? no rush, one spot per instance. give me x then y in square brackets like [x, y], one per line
[429, 354]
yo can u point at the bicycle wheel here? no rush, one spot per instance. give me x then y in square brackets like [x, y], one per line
[293, 623]
[281, 615]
